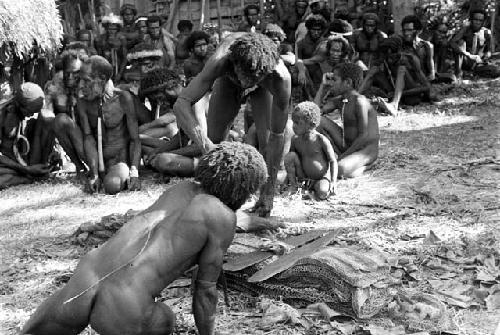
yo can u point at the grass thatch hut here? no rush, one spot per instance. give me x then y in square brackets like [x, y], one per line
[25, 21]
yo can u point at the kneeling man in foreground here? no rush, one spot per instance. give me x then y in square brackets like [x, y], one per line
[193, 223]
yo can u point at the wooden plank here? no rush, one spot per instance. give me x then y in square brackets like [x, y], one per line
[246, 260]
[288, 260]
[300, 240]
[241, 262]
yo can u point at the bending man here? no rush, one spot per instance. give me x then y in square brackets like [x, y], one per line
[245, 64]
[192, 223]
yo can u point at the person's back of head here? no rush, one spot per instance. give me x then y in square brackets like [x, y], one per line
[159, 80]
[184, 26]
[255, 53]
[232, 171]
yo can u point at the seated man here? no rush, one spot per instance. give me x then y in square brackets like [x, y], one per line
[366, 42]
[60, 102]
[311, 158]
[112, 45]
[472, 47]
[197, 44]
[357, 141]
[309, 75]
[13, 167]
[400, 76]
[113, 151]
[442, 54]
[413, 44]
[192, 224]
[185, 27]
[161, 87]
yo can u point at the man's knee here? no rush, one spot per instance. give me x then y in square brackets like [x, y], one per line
[158, 319]
[116, 178]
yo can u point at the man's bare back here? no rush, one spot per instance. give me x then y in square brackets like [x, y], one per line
[114, 287]
[356, 106]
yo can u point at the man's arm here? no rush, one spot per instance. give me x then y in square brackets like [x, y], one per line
[220, 225]
[361, 111]
[279, 85]
[455, 40]
[332, 161]
[135, 143]
[429, 55]
[183, 107]
[89, 143]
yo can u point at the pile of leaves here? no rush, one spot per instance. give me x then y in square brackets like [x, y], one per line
[24, 21]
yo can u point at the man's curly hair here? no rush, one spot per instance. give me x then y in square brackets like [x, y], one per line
[159, 79]
[309, 112]
[256, 53]
[232, 171]
[196, 36]
[350, 71]
[273, 30]
[316, 20]
[393, 43]
[417, 24]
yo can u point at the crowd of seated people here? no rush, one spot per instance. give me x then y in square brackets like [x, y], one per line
[109, 106]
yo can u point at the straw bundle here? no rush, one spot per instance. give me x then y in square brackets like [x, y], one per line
[23, 21]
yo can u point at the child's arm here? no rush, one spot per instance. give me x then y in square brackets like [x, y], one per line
[332, 161]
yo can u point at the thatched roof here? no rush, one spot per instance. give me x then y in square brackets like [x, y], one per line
[22, 21]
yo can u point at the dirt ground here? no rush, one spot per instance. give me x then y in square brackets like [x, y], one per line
[438, 170]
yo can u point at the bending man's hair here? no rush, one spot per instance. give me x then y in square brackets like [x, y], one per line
[256, 53]
[232, 171]
[99, 67]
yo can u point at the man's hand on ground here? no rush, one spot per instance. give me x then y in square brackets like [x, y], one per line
[264, 205]
[134, 184]
[93, 184]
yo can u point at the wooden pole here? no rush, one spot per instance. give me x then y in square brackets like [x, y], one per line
[219, 18]
[493, 32]
[190, 15]
[80, 15]
[202, 13]
[262, 9]
[173, 12]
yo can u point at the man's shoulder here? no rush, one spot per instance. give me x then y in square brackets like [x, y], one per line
[213, 210]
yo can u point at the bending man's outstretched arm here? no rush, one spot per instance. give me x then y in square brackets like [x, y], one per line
[220, 225]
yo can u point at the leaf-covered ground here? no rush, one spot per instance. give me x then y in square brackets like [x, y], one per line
[438, 171]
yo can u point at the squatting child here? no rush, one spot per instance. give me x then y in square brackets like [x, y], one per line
[311, 157]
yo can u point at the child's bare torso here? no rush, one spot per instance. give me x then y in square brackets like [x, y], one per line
[312, 156]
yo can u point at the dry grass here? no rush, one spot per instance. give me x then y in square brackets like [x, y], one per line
[438, 169]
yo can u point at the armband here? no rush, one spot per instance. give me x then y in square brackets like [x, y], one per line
[134, 173]
[272, 133]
